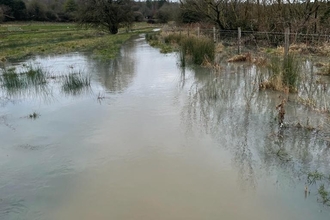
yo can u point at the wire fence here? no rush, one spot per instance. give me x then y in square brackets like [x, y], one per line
[251, 39]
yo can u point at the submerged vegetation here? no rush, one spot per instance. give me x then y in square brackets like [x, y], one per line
[199, 50]
[36, 79]
[14, 81]
[75, 83]
[34, 115]
[283, 74]
[155, 40]
[323, 184]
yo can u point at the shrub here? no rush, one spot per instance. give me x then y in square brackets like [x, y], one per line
[199, 49]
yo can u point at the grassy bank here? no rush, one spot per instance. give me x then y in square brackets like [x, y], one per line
[19, 40]
[198, 50]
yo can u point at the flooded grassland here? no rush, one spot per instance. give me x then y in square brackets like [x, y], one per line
[139, 137]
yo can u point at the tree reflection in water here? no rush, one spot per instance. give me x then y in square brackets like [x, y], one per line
[243, 120]
[118, 73]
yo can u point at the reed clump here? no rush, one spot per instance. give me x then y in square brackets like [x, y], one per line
[75, 82]
[34, 115]
[283, 74]
[193, 48]
[198, 50]
[323, 182]
[11, 79]
[156, 40]
[35, 79]
[153, 38]
[290, 71]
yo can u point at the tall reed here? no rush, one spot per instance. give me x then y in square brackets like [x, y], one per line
[199, 49]
[75, 82]
[14, 80]
[284, 74]
[291, 70]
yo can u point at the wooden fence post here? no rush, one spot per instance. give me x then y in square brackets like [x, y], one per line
[239, 40]
[214, 39]
[286, 42]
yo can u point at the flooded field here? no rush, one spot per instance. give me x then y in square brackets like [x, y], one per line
[146, 139]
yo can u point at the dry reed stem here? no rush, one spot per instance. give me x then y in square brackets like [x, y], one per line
[241, 58]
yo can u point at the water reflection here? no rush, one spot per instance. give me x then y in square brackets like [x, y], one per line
[116, 75]
[60, 71]
[177, 139]
[314, 89]
[231, 108]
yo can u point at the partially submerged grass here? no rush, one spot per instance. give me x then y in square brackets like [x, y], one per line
[155, 40]
[196, 49]
[315, 178]
[35, 80]
[75, 82]
[34, 115]
[283, 74]
[14, 80]
[290, 71]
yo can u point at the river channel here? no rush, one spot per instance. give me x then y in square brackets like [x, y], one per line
[150, 140]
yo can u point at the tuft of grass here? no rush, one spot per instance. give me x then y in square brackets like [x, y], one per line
[33, 115]
[10, 80]
[313, 177]
[283, 74]
[172, 38]
[31, 76]
[155, 40]
[35, 76]
[198, 49]
[75, 82]
[325, 198]
[324, 181]
[290, 71]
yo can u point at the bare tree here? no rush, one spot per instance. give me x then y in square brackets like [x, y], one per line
[214, 10]
[107, 14]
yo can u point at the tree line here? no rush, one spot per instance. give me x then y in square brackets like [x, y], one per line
[301, 16]
[72, 10]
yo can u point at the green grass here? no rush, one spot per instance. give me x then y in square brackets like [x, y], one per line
[199, 49]
[155, 40]
[19, 40]
[324, 187]
[10, 79]
[283, 74]
[290, 71]
[34, 80]
[74, 83]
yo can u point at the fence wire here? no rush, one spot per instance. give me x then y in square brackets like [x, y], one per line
[255, 38]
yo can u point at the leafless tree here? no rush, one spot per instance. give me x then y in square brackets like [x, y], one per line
[107, 14]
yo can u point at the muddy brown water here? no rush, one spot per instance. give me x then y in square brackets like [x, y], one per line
[150, 140]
